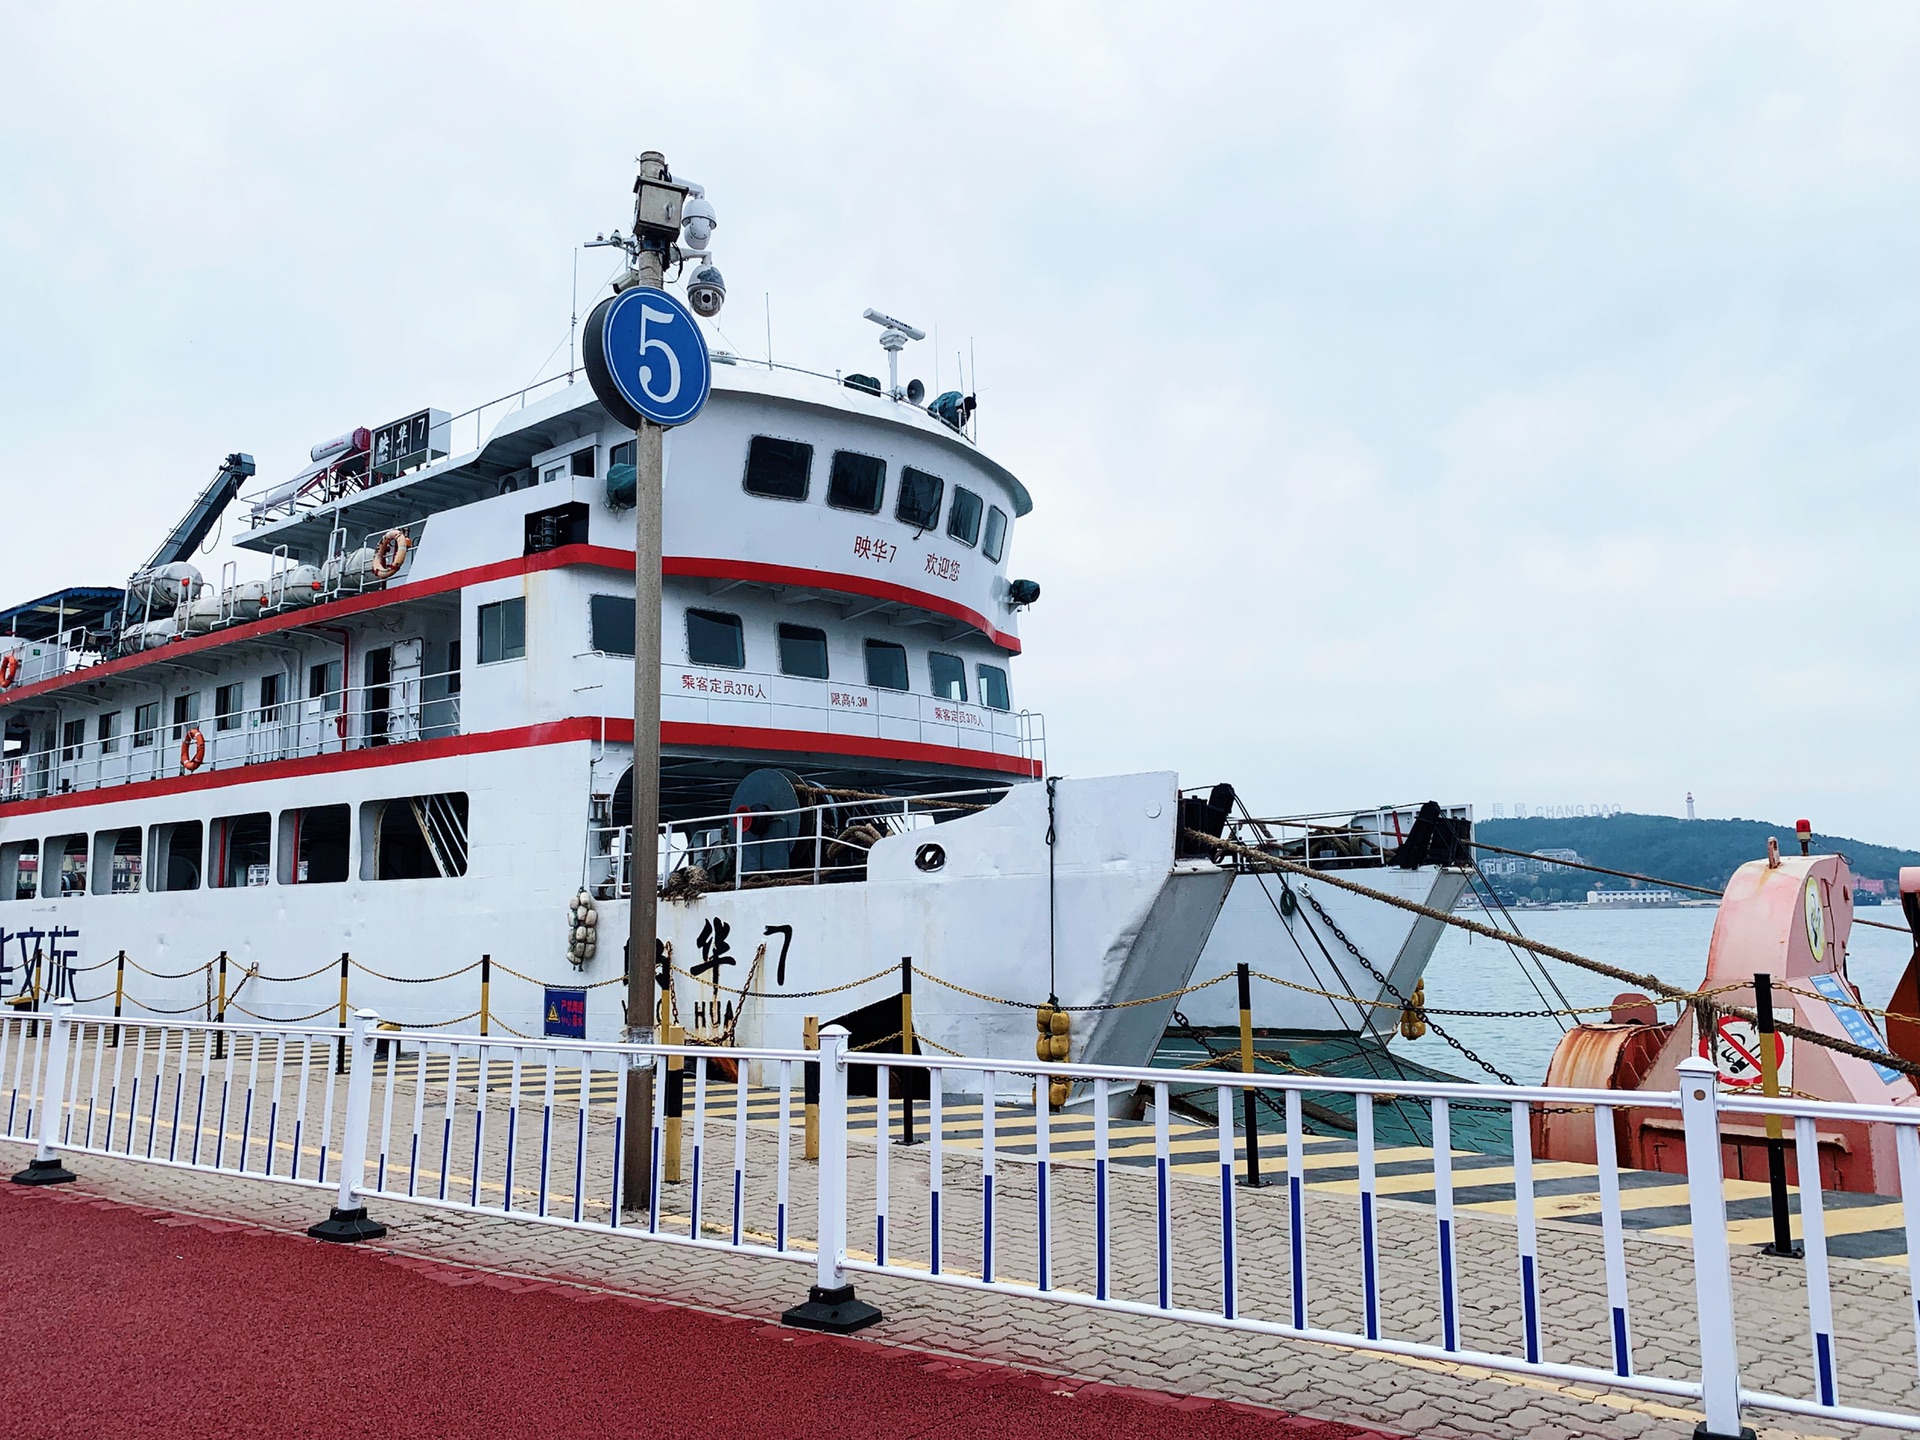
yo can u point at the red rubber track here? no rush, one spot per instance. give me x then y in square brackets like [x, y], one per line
[125, 1322]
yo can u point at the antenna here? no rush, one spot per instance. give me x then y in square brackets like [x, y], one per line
[573, 322]
[894, 335]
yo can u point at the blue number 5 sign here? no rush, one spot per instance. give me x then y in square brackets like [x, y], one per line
[646, 358]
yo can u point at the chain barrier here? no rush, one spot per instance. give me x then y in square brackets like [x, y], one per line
[331, 967]
[279, 1019]
[422, 979]
[1026, 1005]
[169, 974]
[747, 994]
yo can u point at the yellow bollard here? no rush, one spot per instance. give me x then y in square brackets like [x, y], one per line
[340, 1054]
[486, 991]
[810, 1040]
[674, 1035]
[119, 991]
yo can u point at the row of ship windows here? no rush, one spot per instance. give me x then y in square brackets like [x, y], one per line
[229, 709]
[783, 470]
[718, 638]
[419, 837]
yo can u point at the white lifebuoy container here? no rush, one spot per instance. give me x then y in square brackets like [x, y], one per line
[392, 554]
[9, 670]
[193, 750]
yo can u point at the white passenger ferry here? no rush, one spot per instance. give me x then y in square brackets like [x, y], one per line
[406, 738]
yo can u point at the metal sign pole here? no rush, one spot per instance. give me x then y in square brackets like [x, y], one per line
[649, 466]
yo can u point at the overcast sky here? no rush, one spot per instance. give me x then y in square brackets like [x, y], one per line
[1500, 403]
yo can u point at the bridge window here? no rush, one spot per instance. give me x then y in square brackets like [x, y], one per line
[67, 864]
[19, 870]
[73, 738]
[858, 482]
[993, 687]
[228, 702]
[995, 544]
[242, 851]
[963, 520]
[919, 498]
[270, 699]
[949, 676]
[803, 651]
[418, 837]
[503, 630]
[314, 845]
[146, 720]
[116, 862]
[610, 618]
[174, 856]
[886, 665]
[715, 638]
[778, 469]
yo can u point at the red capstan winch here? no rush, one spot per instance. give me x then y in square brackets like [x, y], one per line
[1787, 917]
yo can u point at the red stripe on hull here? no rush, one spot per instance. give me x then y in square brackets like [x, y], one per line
[811, 742]
[578, 729]
[558, 732]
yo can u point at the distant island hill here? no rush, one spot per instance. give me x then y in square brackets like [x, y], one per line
[1687, 852]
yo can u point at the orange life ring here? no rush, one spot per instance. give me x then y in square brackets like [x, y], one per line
[193, 750]
[9, 670]
[391, 555]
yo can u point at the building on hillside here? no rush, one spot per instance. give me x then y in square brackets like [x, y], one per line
[1634, 899]
[1543, 862]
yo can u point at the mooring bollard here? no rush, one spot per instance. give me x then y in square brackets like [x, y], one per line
[45, 1167]
[830, 1304]
[348, 1221]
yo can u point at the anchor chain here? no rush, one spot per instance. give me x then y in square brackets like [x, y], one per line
[1391, 989]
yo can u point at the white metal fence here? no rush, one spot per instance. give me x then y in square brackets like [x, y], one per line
[536, 1129]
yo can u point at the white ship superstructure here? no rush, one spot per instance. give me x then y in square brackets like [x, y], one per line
[405, 740]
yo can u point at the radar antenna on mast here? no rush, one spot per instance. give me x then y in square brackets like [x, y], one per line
[894, 335]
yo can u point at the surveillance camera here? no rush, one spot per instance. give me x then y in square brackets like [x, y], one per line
[706, 292]
[697, 222]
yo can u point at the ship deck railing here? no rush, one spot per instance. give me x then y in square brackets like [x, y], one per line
[822, 843]
[404, 710]
[1336, 839]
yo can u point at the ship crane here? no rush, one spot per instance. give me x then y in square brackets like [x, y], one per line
[185, 538]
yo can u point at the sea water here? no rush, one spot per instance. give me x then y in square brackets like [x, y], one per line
[1470, 972]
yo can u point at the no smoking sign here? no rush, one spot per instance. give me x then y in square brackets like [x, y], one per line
[1736, 1053]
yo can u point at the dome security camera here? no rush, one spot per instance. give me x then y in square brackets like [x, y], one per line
[698, 222]
[706, 292]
